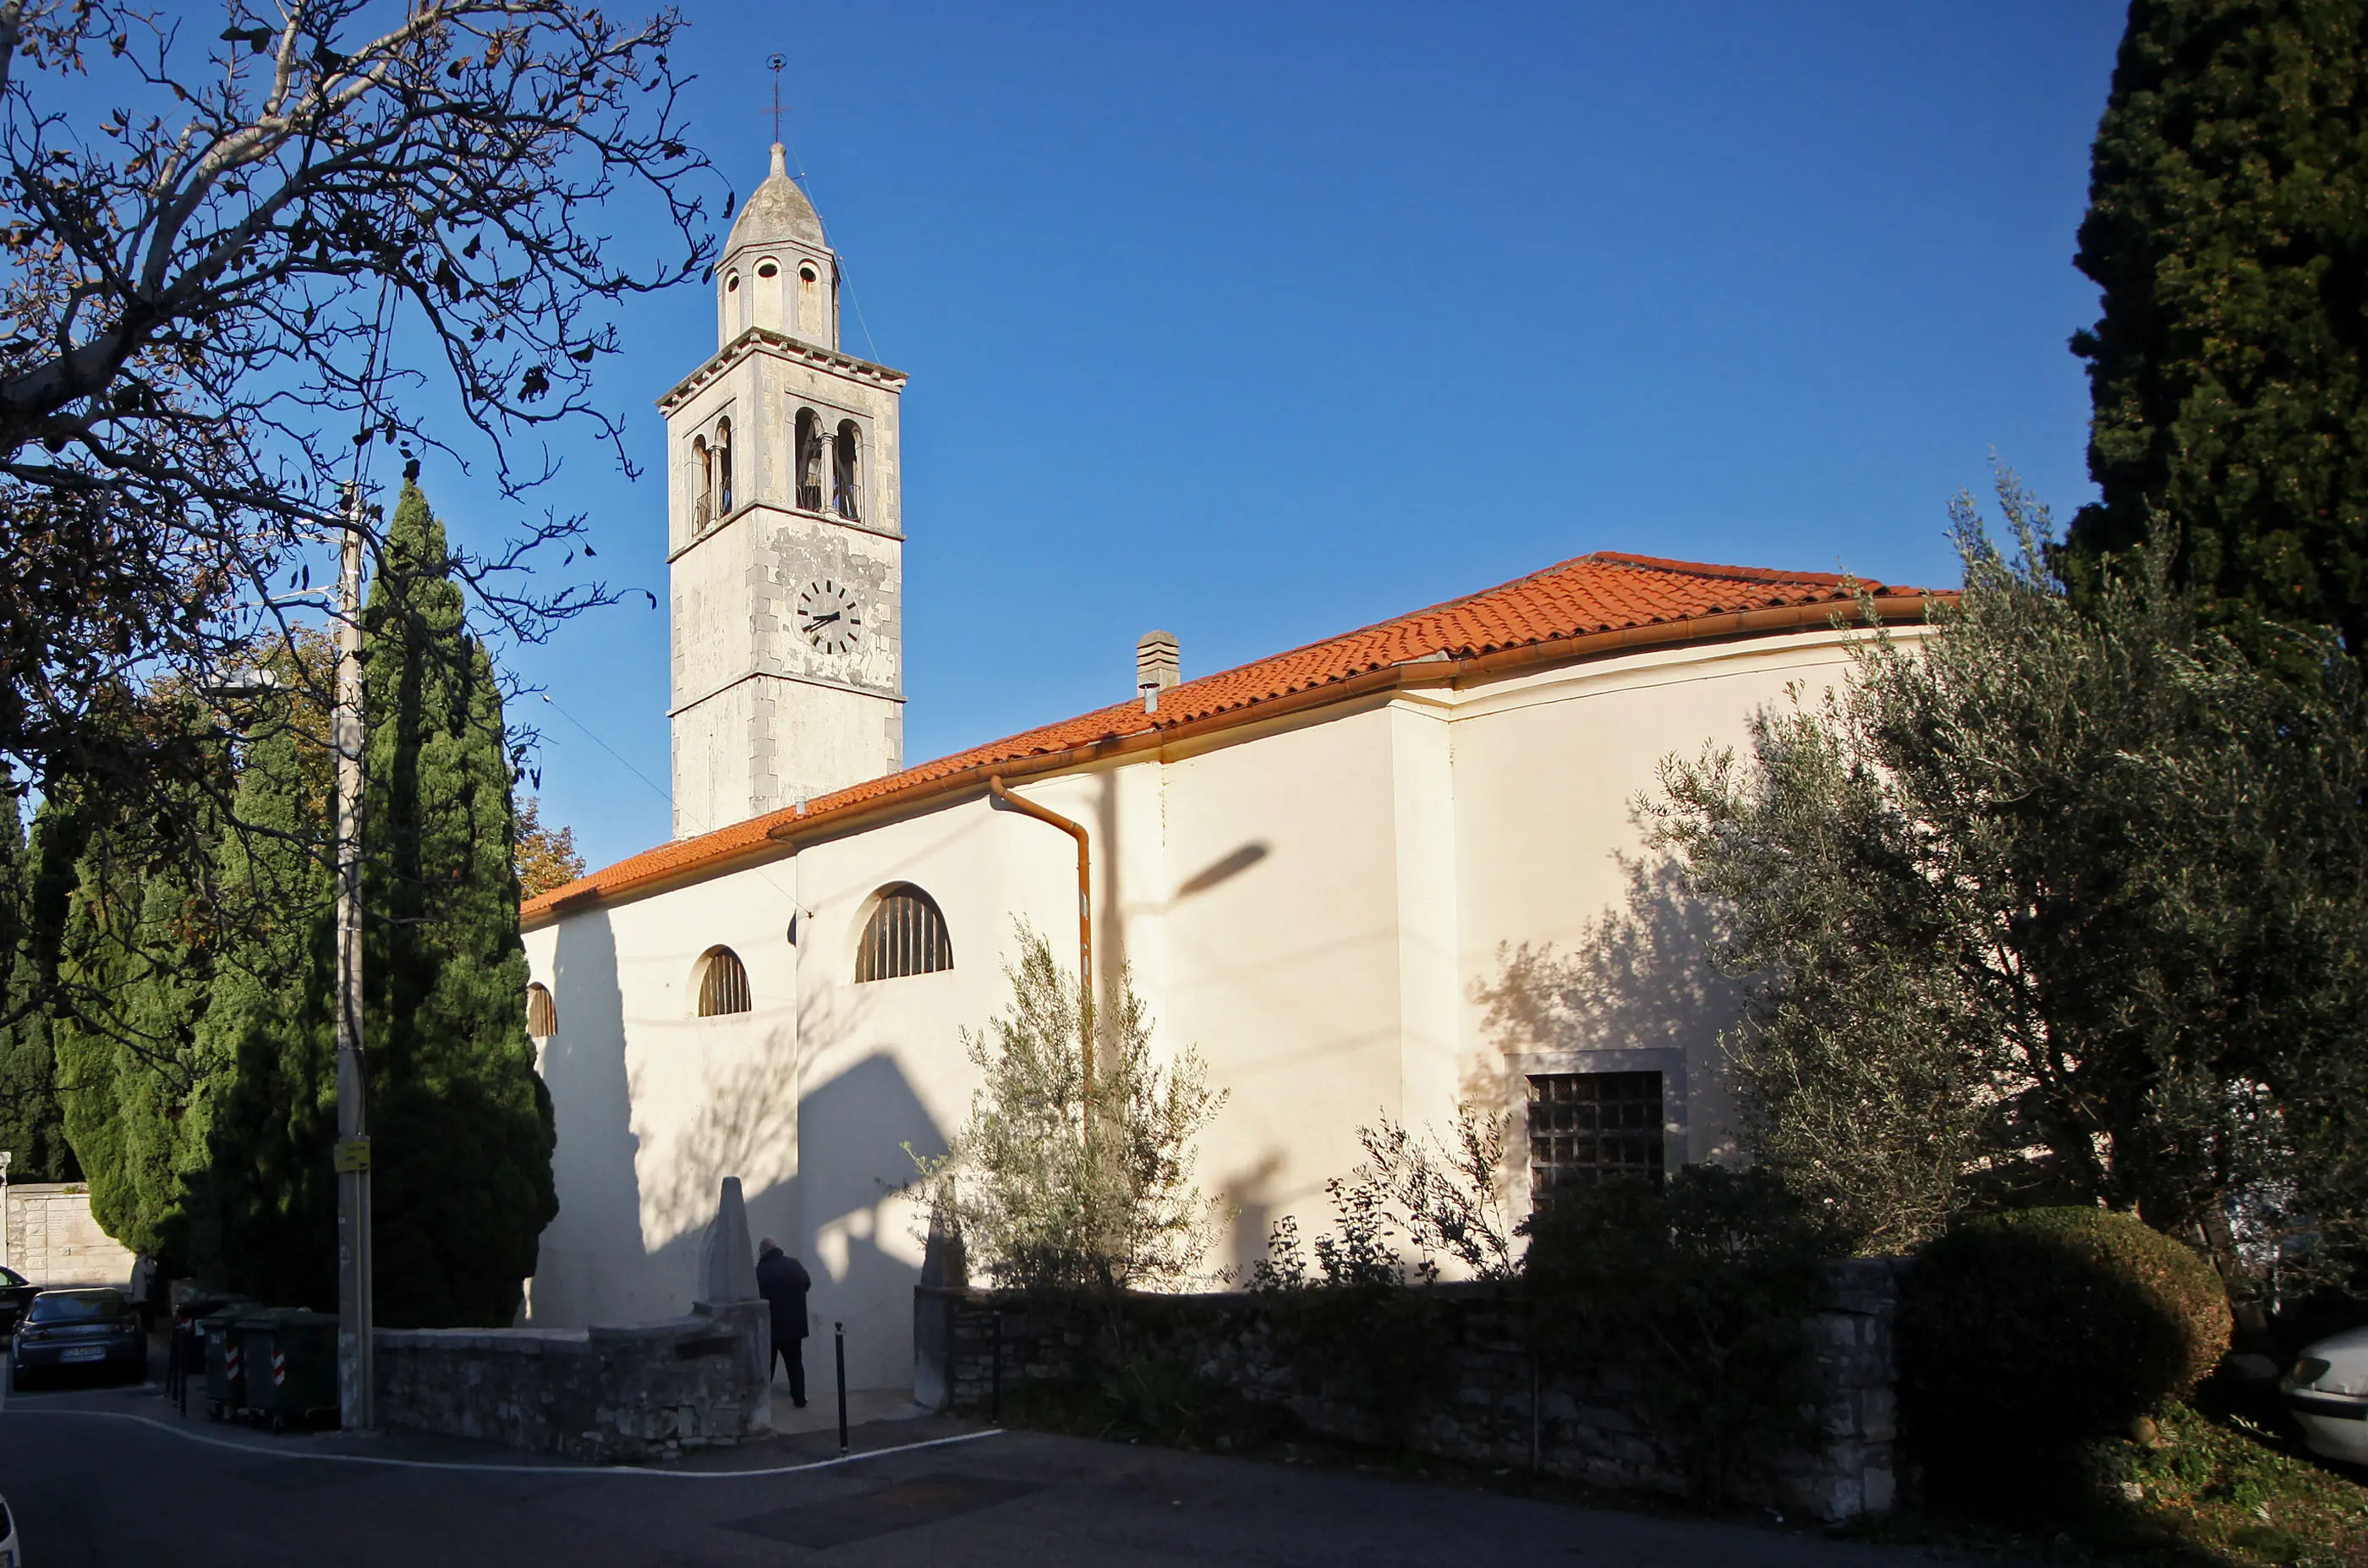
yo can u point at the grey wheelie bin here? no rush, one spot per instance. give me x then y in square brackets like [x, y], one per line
[291, 1366]
[225, 1370]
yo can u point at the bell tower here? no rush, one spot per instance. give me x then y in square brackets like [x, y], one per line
[785, 536]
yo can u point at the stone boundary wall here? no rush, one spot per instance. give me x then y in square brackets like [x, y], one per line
[53, 1240]
[607, 1395]
[1494, 1404]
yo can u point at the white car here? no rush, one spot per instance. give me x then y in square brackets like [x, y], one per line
[2327, 1391]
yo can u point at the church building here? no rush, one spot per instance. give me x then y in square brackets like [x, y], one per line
[1382, 875]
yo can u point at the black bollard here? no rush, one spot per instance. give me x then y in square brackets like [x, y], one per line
[995, 1375]
[838, 1338]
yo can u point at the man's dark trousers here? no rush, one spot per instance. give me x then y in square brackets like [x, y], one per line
[793, 1352]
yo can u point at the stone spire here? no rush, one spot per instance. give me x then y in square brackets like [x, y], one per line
[777, 213]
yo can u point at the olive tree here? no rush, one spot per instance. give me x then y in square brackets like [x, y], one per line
[1067, 1178]
[2050, 903]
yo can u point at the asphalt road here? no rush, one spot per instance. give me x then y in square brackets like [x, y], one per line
[108, 1478]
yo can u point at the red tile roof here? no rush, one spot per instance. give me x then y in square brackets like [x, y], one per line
[1593, 605]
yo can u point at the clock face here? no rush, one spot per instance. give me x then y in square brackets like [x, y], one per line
[829, 617]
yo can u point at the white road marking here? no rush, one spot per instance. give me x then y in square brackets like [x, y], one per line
[261, 1452]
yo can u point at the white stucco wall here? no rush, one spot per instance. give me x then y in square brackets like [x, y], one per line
[810, 1098]
[1332, 908]
[1284, 945]
[1549, 768]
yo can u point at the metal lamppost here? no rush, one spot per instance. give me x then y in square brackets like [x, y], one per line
[356, 1379]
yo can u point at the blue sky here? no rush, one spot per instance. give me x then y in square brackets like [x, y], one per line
[1259, 323]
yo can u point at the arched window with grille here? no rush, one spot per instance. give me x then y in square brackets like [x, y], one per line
[906, 934]
[541, 1012]
[722, 983]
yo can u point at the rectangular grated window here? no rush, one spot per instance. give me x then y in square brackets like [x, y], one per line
[1586, 1126]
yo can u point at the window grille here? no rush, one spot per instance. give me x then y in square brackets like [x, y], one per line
[541, 1012]
[1586, 1126]
[722, 984]
[905, 936]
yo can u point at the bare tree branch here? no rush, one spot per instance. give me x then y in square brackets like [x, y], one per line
[237, 265]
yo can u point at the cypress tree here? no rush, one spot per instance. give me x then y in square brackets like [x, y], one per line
[462, 1124]
[199, 1081]
[263, 1221]
[32, 1123]
[193, 1056]
[136, 952]
[2228, 232]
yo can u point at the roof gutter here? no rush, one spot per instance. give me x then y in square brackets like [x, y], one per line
[1889, 609]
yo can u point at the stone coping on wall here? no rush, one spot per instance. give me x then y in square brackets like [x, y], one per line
[511, 1341]
[540, 1341]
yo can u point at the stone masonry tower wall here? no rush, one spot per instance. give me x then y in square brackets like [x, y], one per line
[785, 537]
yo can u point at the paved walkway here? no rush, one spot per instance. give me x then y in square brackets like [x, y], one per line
[877, 1420]
[864, 1406]
[112, 1476]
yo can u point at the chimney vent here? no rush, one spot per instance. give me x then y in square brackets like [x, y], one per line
[1158, 664]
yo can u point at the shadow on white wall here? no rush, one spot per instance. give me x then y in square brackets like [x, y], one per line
[745, 1124]
[591, 1098]
[860, 1233]
[1638, 987]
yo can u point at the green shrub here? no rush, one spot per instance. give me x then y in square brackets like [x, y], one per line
[2025, 1331]
[1699, 1290]
[1163, 1401]
[1363, 1327]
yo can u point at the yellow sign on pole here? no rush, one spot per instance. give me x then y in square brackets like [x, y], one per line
[352, 1154]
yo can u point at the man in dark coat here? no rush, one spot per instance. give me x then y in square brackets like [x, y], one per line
[782, 1281]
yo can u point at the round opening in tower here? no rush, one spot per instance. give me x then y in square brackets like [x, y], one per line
[766, 269]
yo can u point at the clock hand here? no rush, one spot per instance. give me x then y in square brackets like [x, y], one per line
[822, 621]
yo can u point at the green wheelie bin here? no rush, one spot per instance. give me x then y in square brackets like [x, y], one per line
[291, 1366]
[225, 1367]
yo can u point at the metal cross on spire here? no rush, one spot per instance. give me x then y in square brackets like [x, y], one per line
[777, 63]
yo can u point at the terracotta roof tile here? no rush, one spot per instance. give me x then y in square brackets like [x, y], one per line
[1608, 592]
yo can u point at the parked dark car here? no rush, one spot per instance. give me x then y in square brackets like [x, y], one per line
[17, 1293]
[68, 1330]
